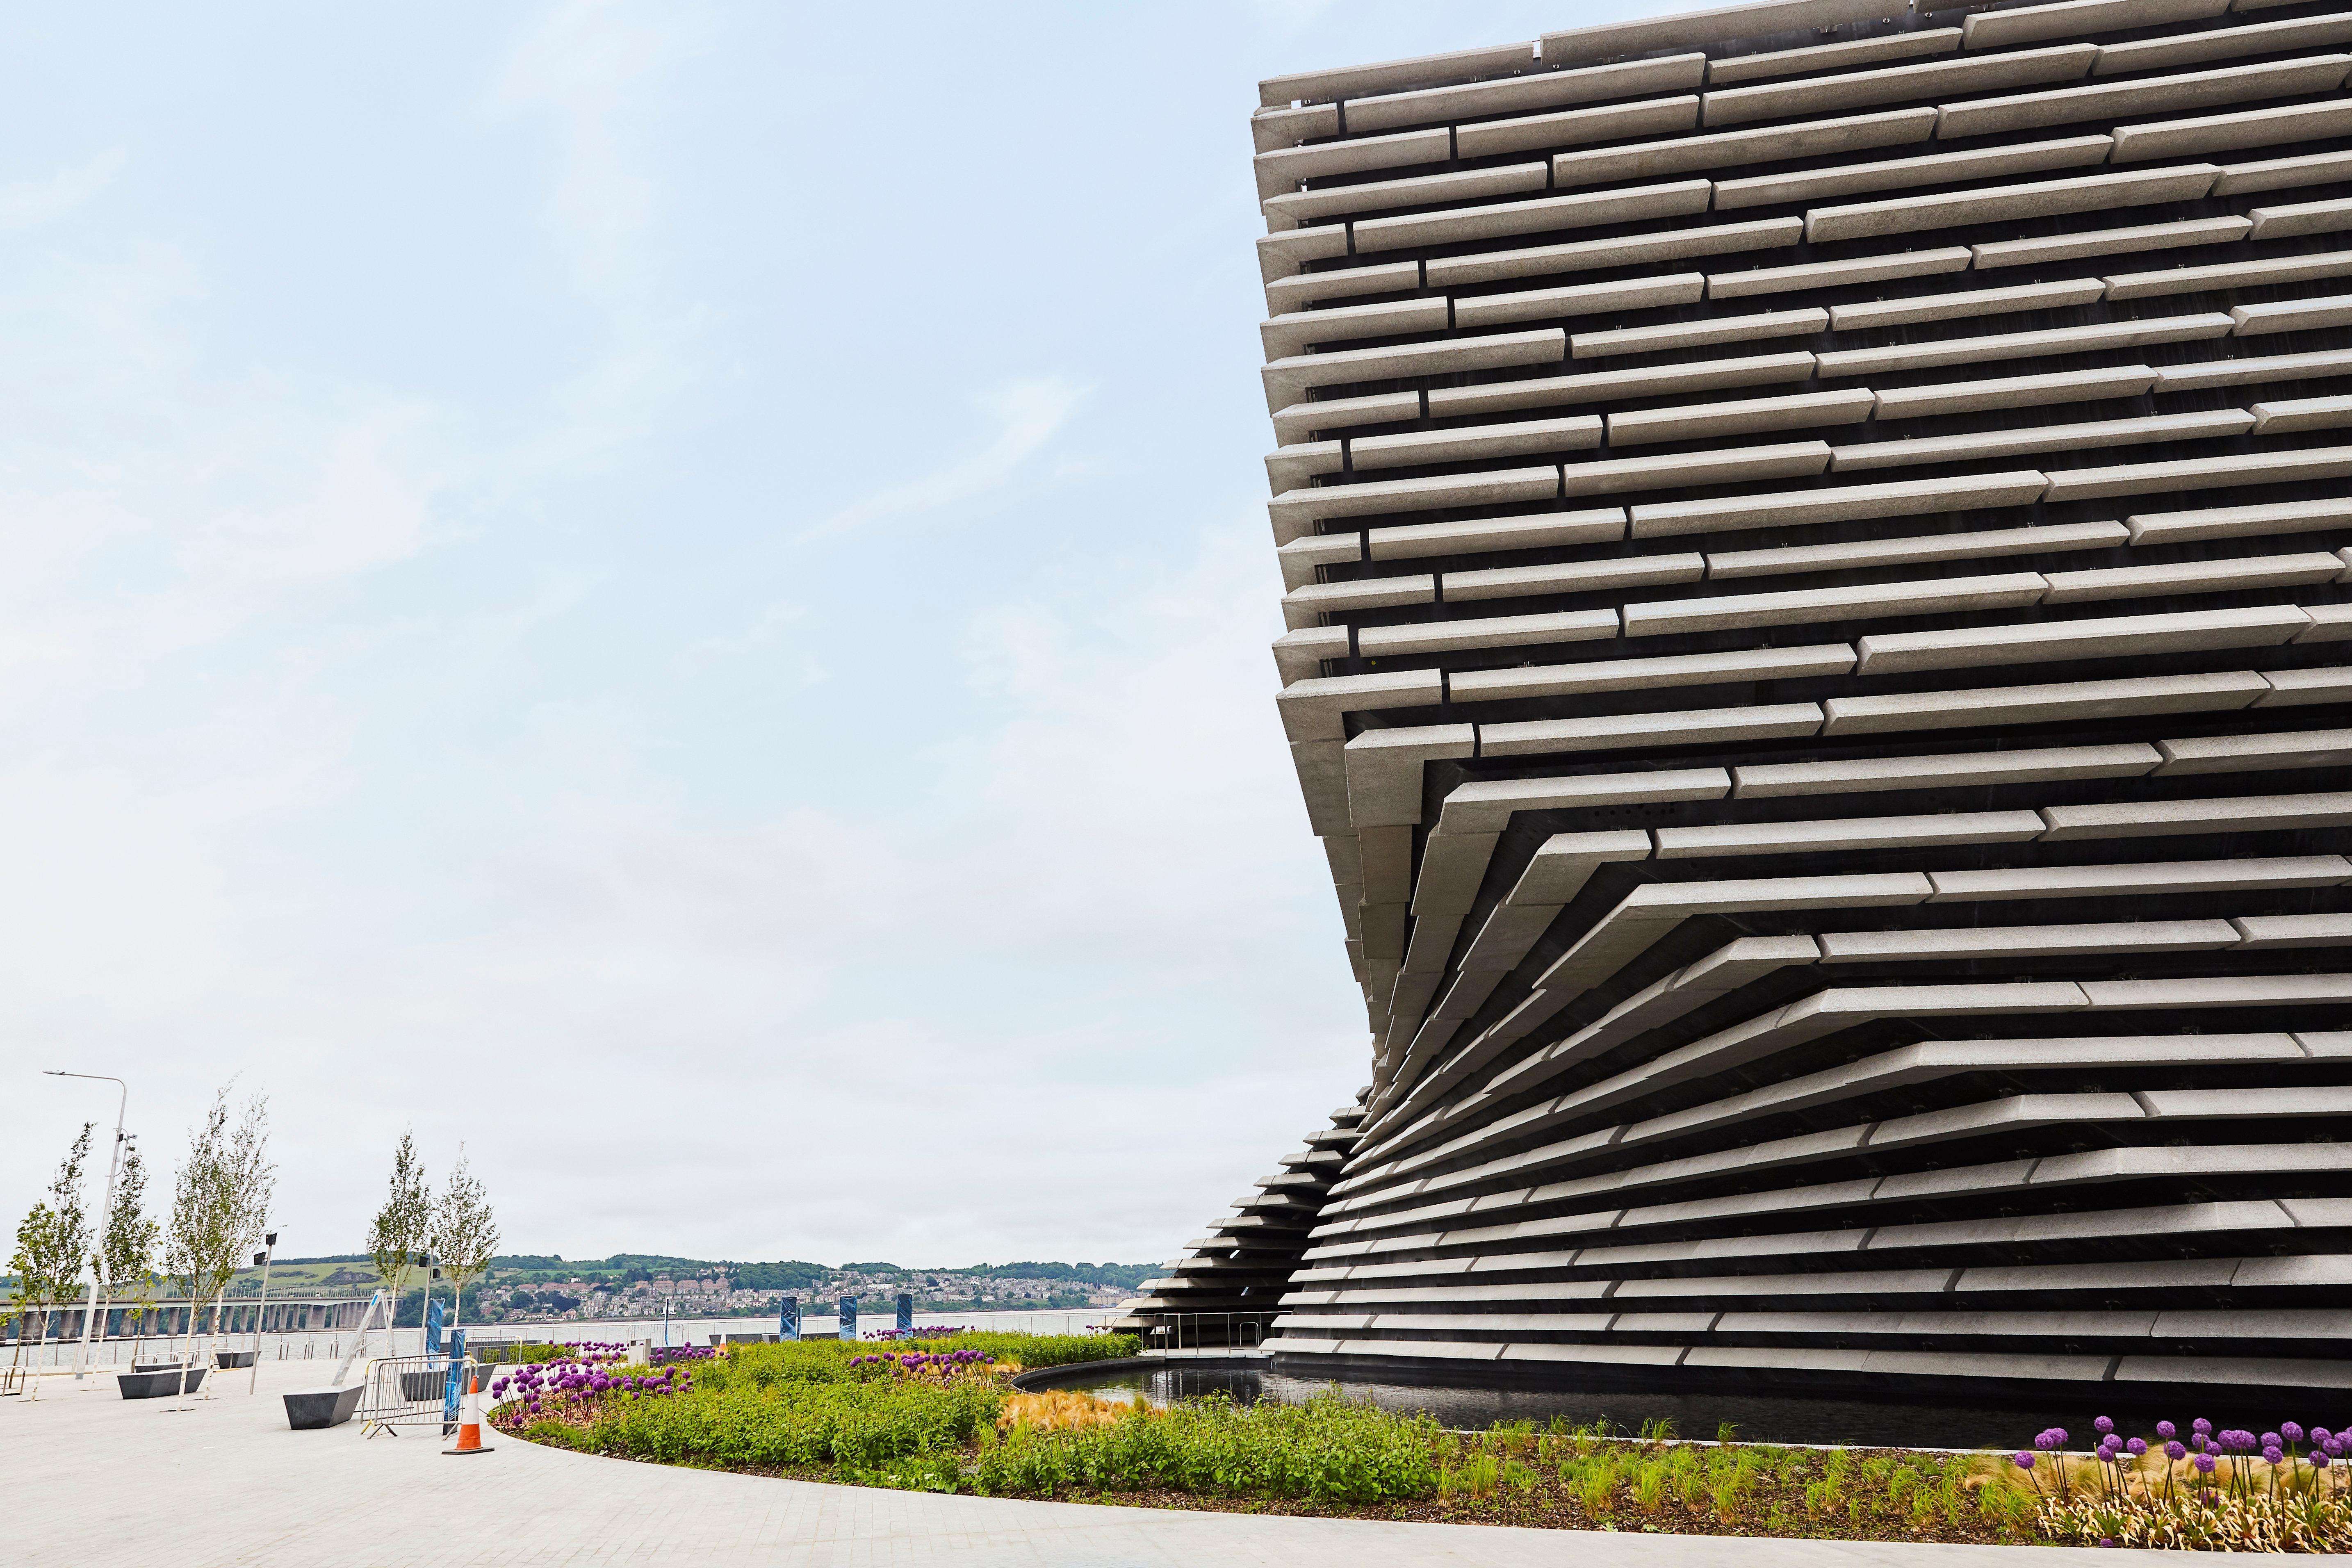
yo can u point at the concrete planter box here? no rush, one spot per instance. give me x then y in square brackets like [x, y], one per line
[156, 1365]
[226, 1360]
[311, 1409]
[419, 1386]
[164, 1385]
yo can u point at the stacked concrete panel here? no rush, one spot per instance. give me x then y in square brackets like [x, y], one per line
[1814, 540]
[1227, 1288]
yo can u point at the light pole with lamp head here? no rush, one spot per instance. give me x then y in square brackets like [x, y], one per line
[106, 1210]
[261, 1260]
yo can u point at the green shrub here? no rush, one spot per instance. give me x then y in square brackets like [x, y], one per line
[515, 1355]
[792, 1361]
[1330, 1449]
[828, 1361]
[794, 1424]
[1032, 1350]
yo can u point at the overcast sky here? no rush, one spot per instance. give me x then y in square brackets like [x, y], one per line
[677, 594]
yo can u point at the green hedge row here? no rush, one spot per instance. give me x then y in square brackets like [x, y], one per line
[1330, 1449]
[858, 1424]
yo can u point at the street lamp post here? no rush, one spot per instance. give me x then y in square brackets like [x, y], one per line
[270, 1243]
[105, 1212]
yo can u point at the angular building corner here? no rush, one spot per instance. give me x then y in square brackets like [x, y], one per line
[1815, 542]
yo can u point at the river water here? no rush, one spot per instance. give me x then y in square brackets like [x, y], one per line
[328, 1346]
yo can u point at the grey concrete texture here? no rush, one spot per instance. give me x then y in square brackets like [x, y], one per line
[1829, 274]
[1519, 94]
[1960, 624]
[1896, 84]
[1731, 71]
[1574, 127]
[2221, 44]
[2038, 24]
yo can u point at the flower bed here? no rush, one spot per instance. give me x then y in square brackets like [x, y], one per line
[578, 1393]
[2210, 1492]
[1028, 1351]
[946, 1419]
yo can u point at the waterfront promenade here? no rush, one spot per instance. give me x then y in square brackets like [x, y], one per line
[100, 1482]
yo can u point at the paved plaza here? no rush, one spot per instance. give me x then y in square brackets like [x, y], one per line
[99, 1482]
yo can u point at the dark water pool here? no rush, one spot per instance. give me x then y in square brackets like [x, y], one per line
[1759, 1417]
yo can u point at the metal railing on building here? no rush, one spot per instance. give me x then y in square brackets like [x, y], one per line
[1171, 1332]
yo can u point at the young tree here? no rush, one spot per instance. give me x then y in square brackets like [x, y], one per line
[400, 1227]
[249, 1179]
[33, 1244]
[466, 1230]
[197, 1236]
[221, 1203]
[126, 1249]
[53, 1243]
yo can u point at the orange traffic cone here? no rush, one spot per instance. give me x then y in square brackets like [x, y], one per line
[469, 1430]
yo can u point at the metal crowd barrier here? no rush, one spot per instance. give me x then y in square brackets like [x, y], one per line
[411, 1391]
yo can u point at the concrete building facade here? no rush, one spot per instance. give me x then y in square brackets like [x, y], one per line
[1814, 539]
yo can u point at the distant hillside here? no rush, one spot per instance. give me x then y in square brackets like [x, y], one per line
[798, 1274]
[548, 1281]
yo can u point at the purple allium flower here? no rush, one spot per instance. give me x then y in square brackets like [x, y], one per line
[2050, 1437]
[2271, 1440]
[2201, 1425]
[2273, 1453]
[2204, 1464]
[2319, 1461]
[2103, 1424]
[2166, 1429]
[2024, 1461]
[2320, 1433]
[2175, 1451]
[2137, 1446]
[2107, 1541]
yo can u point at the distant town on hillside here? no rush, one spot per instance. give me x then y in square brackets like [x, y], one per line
[524, 1287]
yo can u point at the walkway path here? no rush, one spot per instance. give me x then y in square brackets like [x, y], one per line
[89, 1479]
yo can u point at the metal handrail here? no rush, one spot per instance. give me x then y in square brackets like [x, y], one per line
[1238, 1330]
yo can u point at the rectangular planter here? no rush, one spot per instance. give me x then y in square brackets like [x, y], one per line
[164, 1384]
[311, 1409]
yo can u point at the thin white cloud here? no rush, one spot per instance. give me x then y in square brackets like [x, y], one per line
[459, 737]
[1006, 461]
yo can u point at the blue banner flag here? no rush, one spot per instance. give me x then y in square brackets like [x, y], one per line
[456, 1385]
[788, 1319]
[849, 1317]
[905, 1313]
[432, 1328]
